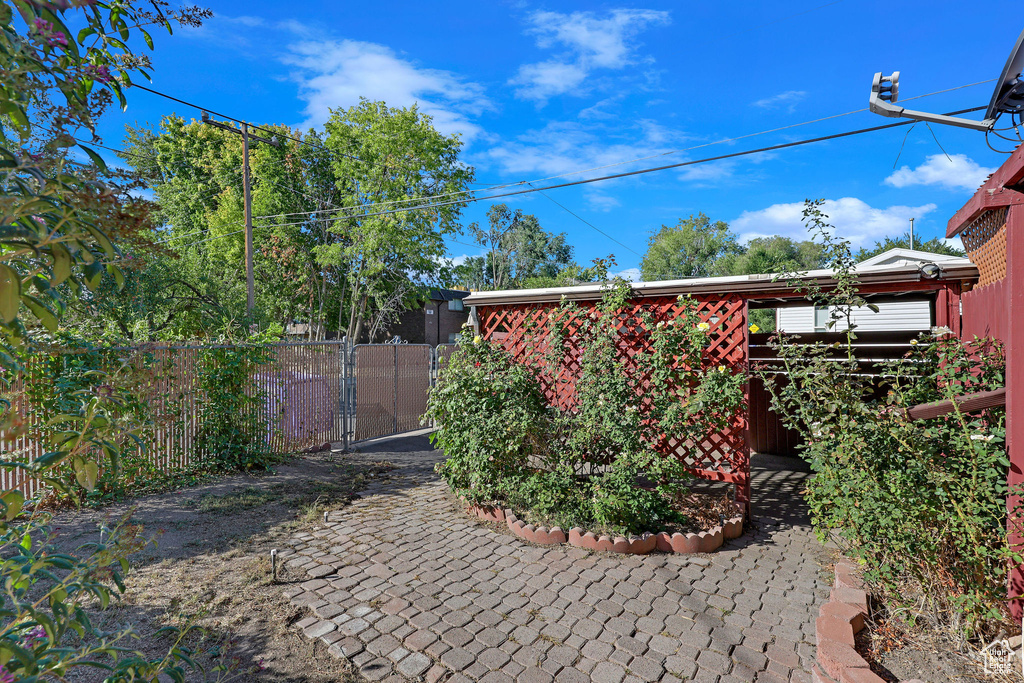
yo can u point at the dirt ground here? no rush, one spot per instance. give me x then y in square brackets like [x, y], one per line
[928, 655]
[210, 567]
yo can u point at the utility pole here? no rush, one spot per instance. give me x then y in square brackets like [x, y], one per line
[250, 280]
[911, 233]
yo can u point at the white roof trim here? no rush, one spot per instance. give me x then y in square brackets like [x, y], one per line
[958, 269]
[894, 256]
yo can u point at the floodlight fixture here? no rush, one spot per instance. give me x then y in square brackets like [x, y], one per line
[1007, 98]
[885, 91]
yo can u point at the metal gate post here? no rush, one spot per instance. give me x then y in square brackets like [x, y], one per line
[344, 392]
[396, 390]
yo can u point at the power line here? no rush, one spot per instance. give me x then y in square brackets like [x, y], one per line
[545, 194]
[645, 158]
[743, 137]
[666, 167]
[693, 162]
[240, 121]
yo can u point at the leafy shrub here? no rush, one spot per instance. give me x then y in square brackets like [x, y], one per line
[233, 432]
[97, 386]
[491, 419]
[598, 464]
[920, 503]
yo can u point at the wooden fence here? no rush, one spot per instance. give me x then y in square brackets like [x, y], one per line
[299, 389]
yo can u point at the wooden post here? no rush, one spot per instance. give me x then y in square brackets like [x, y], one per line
[1015, 396]
[947, 307]
[250, 283]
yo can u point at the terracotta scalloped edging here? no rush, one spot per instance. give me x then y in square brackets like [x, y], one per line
[841, 618]
[704, 542]
[491, 514]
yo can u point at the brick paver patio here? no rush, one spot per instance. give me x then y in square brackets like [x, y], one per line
[405, 585]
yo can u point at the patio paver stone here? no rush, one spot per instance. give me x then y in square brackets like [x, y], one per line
[403, 584]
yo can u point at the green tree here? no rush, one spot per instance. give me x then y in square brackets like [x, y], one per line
[776, 254]
[519, 249]
[195, 172]
[58, 224]
[386, 159]
[934, 246]
[693, 247]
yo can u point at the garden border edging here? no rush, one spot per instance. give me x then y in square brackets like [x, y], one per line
[841, 618]
[704, 542]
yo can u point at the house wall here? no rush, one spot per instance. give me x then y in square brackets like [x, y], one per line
[442, 323]
[897, 315]
[409, 327]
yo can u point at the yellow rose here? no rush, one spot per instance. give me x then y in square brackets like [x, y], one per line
[477, 339]
[703, 327]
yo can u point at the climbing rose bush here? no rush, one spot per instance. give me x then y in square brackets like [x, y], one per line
[599, 464]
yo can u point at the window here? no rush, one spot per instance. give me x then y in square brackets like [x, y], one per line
[822, 318]
[456, 305]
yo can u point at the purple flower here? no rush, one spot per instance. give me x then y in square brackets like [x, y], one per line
[97, 73]
[57, 38]
[6, 676]
[30, 639]
[42, 26]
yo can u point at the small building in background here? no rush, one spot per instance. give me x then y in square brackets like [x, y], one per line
[438, 320]
[912, 314]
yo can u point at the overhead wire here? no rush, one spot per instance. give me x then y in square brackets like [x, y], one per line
[665, 167]
[662, 154]
[529, 190]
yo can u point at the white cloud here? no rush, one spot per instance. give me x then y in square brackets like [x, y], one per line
[707, 174]
[954, 242]
[853, 219]
[565, 146]
[336, 73]
[600, 201]
[787, 100]
[631, 274]
[590, 42]
[958, 172]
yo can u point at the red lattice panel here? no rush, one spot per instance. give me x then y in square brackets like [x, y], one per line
[985, 242]
[724, 456]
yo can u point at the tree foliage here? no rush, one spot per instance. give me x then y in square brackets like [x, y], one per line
[59, 220]
[519, 251]
[693, 247]
[934, 246]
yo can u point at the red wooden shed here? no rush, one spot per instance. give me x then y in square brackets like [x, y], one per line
[724, 303]
[991, 225]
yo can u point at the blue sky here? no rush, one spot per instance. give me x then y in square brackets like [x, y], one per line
[541, 90]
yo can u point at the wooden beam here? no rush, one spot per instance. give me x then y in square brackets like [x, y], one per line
[995, 192]
[1015, 397]
[970, 403]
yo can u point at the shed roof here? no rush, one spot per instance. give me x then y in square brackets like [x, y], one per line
[903, 271]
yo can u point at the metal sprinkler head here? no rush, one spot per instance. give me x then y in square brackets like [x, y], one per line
[325, 516]
[273, 564]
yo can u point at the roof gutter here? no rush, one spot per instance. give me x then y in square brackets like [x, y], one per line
[767, 284]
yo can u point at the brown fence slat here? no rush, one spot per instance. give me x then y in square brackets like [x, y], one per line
[301, 388]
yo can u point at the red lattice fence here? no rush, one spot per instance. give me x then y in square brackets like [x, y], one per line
[722, 456]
